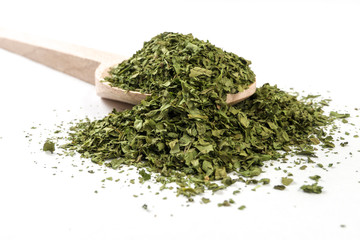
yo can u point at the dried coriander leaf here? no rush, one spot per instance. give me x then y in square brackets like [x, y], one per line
[242, 207]
[313, 188]
[279, 187]
[144, 175]
[264, 181]
[339, 115]
[49, 146]
[205, 200]
[315, 178]
[286, 181]
[303, 167]
[253, 172]
[226, 203]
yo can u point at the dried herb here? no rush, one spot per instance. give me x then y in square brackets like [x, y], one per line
[242, 207]
[264, 181]
[303, 167]
[205, 200]
[279, 187]
[286, 181]
[226, 203]
[49, 146]
[169, 59]
[313, 188]
[315, 178]
[185, 132]
[145, 176]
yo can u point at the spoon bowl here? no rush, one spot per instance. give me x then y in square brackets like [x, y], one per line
[105, 90]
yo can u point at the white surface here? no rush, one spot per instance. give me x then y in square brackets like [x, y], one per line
[307, 45]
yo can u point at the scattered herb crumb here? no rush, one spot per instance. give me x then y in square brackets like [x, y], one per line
[49, 146]
[236, 192]
[303, 167]
[313, 188]
[242, 207]
[145, 176]
[226, 203]
[279, 187]
[315, 178]
[264, 181]
[286, 181]
[205, 200]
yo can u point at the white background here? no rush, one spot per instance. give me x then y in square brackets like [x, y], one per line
[312, 46]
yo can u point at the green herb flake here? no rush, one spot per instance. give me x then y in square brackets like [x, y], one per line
[264, 181]
[313, 188]
[242, 207]
[303, 167]
[236, 192]
[49, 146]
[144, 175]
[320, 165]
[205, 200]
[279, 187]
[226, 203]
[315, 178]
[286, 181]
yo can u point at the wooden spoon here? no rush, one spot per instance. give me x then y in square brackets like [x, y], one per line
[83, 63]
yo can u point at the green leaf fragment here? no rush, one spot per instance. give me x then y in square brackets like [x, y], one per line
[49, 146]
[286, 181]
[205, 200]
[279, 187]
[313, 188]
[197, 71]
[242, 207]
[264, 181]
[144, 175]
[315, 178]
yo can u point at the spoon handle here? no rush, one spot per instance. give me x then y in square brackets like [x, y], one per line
[77, 61]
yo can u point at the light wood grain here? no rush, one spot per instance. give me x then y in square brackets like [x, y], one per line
[104, 89]
[233, 99]
[77, 61]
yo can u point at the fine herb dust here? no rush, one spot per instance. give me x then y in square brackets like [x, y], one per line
[186, 133]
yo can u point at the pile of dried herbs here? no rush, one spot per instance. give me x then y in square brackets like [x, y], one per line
[168, 60]
[185, 131]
